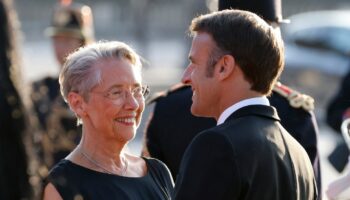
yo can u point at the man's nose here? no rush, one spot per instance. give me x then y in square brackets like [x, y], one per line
[186, 76]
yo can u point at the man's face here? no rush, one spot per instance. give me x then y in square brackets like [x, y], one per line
[203, 85]
[63, 46]
[112, 109]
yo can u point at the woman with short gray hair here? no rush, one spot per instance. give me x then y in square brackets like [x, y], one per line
[102, 84]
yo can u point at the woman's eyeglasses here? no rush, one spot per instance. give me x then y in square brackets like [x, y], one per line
[119, 93]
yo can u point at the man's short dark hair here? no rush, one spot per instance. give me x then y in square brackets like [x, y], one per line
[257, 49]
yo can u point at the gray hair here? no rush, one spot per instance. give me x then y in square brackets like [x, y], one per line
[79, 75]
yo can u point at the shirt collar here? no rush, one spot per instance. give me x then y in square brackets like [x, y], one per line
[246, 102]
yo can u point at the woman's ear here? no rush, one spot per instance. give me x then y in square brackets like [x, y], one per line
[225, 67]
[76, 103]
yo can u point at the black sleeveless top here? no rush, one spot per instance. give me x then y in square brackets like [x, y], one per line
[73, 181]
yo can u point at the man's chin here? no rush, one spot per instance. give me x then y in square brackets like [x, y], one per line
[196, 111]
[201, 112]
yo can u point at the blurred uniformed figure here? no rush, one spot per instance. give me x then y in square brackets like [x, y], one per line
[172, 126]
[338, 110]
[14, 121]
[71, 28]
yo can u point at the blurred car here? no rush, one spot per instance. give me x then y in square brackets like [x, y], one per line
[318, 40]
[317, 53]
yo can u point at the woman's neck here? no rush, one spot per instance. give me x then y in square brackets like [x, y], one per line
[103, 154]
[103, 148]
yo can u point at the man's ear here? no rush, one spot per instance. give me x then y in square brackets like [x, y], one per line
[225, 67]
[76, 103]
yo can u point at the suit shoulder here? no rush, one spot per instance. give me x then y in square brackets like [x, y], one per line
[166, 93]
[212, 136]
[294, 98]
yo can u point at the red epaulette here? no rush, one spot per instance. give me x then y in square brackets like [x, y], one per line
[295, 98]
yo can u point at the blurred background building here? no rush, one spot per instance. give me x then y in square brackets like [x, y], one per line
[157, 29]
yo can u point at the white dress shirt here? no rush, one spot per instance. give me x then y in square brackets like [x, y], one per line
[246, 102]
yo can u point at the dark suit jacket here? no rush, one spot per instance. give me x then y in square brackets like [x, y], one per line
[172, 127]
[302, 125]
[250, 156]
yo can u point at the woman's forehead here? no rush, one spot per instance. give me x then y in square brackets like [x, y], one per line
[118, 72]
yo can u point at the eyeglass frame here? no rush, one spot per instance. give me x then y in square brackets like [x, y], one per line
[145, 90]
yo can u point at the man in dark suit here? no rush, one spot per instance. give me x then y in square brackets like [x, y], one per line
[235, 59]
[172, 127]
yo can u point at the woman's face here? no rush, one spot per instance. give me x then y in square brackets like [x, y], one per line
[116, 104]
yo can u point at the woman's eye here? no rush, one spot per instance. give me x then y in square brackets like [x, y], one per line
[115, 93]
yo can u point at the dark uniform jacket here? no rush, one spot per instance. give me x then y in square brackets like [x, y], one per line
[339, 104]
[172, 126]
[60, 133]
[338, 109]
[249, 156]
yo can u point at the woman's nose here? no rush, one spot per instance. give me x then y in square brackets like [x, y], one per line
[131, 102]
